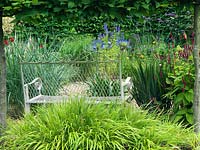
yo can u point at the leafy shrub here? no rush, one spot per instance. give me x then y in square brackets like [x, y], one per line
[180, 86]
[80, 125]
[77, 47]
[160, 22]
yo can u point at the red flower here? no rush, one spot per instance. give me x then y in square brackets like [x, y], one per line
[41, 46]
[5, 42]
[184, 36]
[12, 39]
[171, 36]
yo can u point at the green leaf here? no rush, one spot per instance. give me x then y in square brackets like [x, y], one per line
[129, 8]
[189, 118]
[8, 8]
[35, 2]
[71, 4]
[189, 96]
[145, 6]
[177, 118]
[179, 98]
[111, 5]
[168, 81]
[157, 4]
[147, 1]
[182, 111]
[86, 1]
[57, 9]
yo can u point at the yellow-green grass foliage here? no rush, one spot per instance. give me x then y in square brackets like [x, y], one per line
[80, 125]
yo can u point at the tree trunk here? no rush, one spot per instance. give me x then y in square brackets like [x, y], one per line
[3, 105]
[196, 104]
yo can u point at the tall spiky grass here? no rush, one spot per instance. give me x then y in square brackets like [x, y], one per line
[149, 82]
[14, 51]
[80, 125]
[18, 50]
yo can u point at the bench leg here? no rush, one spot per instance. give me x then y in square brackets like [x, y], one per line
[27, 108]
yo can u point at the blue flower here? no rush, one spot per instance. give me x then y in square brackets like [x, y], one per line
[101, 36]
[103, 45]
[106, 40]
[96, 44]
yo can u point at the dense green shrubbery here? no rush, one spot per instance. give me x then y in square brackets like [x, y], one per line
[79, 125]
[163, 22]
[180, 83]
[77, 47]
[164, 75]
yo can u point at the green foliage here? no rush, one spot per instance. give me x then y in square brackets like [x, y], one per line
[14, 51]
[171, 19]
[50, 74]
[148, 77]
[103, 86]
[80, 125]
[77, 47]
[11, 8]
[180, 91]
[30, 50]
[162, 21]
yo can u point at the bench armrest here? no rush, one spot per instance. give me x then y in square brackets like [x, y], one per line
[37, 84]
[127, 83]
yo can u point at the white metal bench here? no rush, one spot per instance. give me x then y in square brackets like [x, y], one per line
[44, 99]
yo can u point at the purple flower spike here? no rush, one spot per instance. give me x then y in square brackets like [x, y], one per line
[117, 28]
[160, 20]
[171, 14]
[105, 28]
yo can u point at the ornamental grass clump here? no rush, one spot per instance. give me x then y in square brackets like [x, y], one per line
[80, 125]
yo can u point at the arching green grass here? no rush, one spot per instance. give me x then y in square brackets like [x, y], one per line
[84, 126]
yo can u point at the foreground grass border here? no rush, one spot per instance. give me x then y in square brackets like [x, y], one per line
[80, 125]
